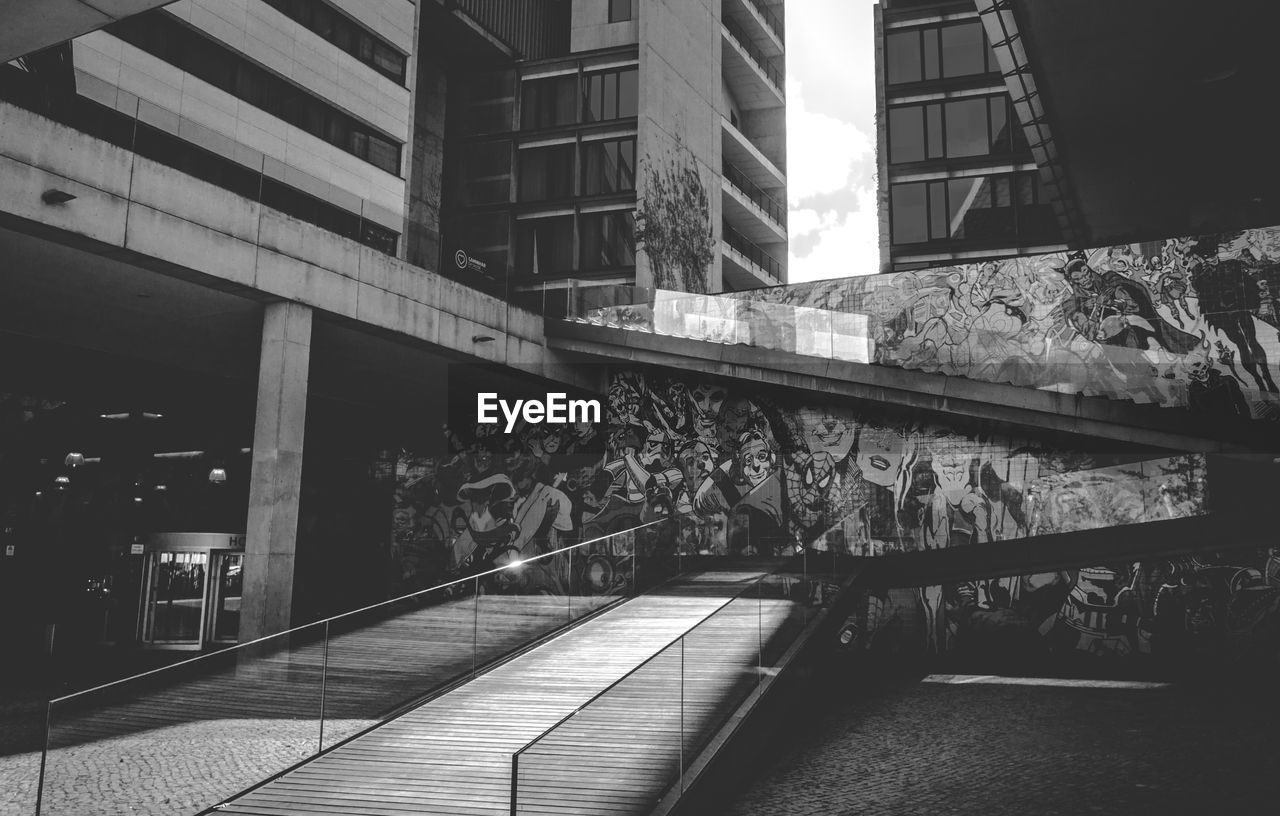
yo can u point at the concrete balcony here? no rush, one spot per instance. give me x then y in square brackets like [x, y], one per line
[756, 80]
[753, 212]
[739, 150]
[760, 22]
[30, 25]
[746, 265]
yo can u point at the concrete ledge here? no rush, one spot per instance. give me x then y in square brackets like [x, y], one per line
[1164, 428]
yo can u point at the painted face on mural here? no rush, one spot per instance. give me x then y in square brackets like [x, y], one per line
[624, 403]
[755, 459]
[651, 451]
[697, 460]
[881, 452]
[831, 434]
[708, 399]
[952, 472]
[551, 440]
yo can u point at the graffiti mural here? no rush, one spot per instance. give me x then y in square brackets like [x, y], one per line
[1223, 606]
[496, 498]
[1185, 322]
[757, 472]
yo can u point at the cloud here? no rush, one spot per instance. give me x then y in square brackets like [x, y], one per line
[822, 151]
[834, 244]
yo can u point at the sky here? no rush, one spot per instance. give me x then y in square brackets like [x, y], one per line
[831, 164]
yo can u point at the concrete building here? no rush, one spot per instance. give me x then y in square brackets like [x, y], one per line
[238, 230]
[958, 181]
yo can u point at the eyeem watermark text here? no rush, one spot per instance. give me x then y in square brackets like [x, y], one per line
[556, 409]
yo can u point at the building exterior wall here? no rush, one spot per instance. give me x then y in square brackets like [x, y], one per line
[679, 138]
[592, 30]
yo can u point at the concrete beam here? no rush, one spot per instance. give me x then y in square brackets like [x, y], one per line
[1152, 426]
[30, 25]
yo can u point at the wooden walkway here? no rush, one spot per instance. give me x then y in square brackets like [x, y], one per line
[453, 755]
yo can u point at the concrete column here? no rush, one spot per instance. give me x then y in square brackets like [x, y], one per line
[276, 477]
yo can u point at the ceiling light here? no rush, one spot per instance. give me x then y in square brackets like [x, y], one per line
[62, 481]
[74, 459]
[124, 415]
[217, 475]
[160, 488]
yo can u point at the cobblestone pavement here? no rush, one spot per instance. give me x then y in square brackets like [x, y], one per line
[171, 770]
[975, 748]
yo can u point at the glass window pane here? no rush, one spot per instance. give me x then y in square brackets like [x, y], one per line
[629, 93]
[902, 57]
[627, 165]
[610, 104]
[967, 128]
[963, 197]
[933, 121]
[964, 50]
[931, 69]
[906, 134]
[594, 92]
[546, 172]
[999, 124]
[908, 213]
[937, 210]
[1002, 196]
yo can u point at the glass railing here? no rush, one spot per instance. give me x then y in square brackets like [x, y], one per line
[186, 738]
[767, 65]
[656, 720]
[770, 205]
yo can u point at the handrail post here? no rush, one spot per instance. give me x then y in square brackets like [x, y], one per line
[44, 754]
[475, 625]
[568, 587]
[324, 683]
[681, 736]
[515, 771]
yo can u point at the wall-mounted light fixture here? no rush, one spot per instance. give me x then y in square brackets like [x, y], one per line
[481, 338]
[53, 196]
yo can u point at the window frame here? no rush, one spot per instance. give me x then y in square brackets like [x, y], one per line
[1010, 147]
[989, 63]
[1011, 178]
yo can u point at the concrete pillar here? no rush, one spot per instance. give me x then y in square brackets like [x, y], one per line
[276, 477]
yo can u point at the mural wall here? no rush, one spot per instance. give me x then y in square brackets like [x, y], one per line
[1205, 608]
[1184, 322]
[753, 471]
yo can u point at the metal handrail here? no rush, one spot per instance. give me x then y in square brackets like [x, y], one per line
[752, 252]
[772, 207]
[515, 757]
[767, 65]
[326, 621]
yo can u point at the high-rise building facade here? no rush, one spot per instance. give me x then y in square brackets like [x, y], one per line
[255, 251]
[958, 181]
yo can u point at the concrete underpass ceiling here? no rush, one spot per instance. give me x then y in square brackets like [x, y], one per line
[30, 25]
[71, 298]
[1161, 110]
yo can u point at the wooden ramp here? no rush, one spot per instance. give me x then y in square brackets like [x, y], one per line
[453, 755]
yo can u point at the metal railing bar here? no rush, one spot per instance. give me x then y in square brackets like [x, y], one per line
[317, 623]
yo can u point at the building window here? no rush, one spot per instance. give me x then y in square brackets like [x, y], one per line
[544, 246]
[621, 11]
[345, 33]
[977, 126]
[548, 102]
[978, 208]
[160, 35]
[608, 166]
[938, 52]
[608, 240]
[610, 95]
[546, 172]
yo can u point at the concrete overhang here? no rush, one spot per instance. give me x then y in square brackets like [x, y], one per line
[1156, 109]
[30, 25]
[997, 404]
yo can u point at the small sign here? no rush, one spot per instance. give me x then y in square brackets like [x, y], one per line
[137, 549]
[235, 542]
[8, 549]
[465, 261]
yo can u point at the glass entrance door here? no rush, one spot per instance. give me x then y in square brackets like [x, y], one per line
[174, 599]
[226, 579]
